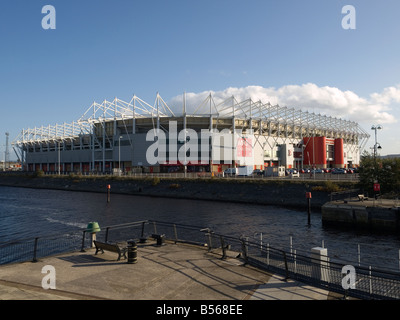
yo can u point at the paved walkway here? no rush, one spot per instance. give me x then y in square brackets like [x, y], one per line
[370, 202]
[168, 272]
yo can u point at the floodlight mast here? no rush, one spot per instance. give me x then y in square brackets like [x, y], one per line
[7, 152]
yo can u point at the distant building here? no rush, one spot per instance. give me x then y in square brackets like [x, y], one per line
[115, 135]
[10, 166]
[391, 156]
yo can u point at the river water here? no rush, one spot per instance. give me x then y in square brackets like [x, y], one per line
[26, 213]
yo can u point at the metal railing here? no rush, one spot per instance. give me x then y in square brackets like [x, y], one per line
[196, 175]
[370, 283]
[31, 249]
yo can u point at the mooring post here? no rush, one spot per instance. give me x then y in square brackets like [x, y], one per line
[308, 196]
[142, 238]
[108, 193]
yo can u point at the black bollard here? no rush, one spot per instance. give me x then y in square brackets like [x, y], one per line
[132, 252]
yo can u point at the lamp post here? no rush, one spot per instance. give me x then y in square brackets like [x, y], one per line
[376, 145]
[59, 158]
[119, 155]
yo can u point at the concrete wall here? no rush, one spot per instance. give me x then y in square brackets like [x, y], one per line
[373, 218]
[254, 192]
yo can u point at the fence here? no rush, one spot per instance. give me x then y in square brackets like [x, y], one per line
[319, 271]
[197, 175]
[31, 249]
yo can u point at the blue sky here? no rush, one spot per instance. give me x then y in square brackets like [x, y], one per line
[294, 52]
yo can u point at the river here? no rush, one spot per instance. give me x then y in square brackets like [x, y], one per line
[26, 213]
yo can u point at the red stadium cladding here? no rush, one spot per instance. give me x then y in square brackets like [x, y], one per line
[315, 151]
[339, 153]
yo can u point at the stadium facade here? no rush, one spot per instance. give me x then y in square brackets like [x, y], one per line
[138, 137]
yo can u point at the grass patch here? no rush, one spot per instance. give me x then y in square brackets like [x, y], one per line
[327, 186]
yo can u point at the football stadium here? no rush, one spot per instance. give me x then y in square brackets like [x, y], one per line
[135, 136]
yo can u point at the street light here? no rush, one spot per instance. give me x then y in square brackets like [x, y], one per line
[119, 155]
[59, 157]
[376, 145]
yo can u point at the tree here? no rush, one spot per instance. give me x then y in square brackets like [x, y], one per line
[386, 172]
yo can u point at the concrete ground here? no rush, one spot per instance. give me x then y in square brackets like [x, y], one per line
[168, 272]
[370, 202]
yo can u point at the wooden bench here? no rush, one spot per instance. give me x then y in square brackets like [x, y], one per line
[101, 246]
[361, 197]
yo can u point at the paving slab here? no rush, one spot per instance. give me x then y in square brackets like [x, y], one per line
[168, 272]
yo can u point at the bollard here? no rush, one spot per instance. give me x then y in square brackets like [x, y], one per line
[160, 239]
[308, 196]
[132, 252]
[93, 228]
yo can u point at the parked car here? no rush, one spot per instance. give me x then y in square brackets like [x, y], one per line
[231, 171]
[258, 172]
[290, 171]
[338, 171]
[327, 170]
[317, 171]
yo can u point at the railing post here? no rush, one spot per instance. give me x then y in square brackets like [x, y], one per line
[175, 234]
[106, 237]
[142, 235]
[35, 250]
[209, 241]
[223, 247]
[286, 266]
[245, 248]
[370, 281]
[83, 241]
[155, 227]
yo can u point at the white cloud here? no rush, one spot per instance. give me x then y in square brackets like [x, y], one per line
[326, 100]
[389, 95]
